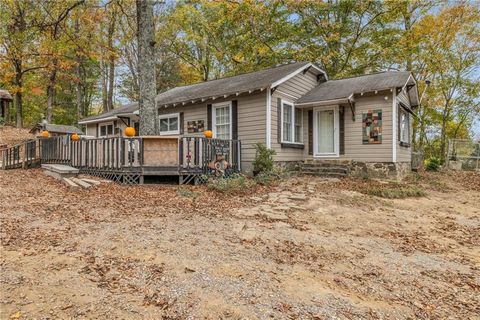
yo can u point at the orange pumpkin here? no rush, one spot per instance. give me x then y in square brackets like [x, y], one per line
[75, 137]
[129, 131]
[45, 134]
[208, 134]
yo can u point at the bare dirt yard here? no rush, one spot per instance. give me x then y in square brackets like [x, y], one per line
[304, 248]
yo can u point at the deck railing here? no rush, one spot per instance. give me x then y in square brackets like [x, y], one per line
[23, 155]
[101, 153]
[207, 155]
[196, 155]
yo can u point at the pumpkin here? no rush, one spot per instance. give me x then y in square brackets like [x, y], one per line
[129, 131]
[45, 134]
[208, 134]
[75, 137]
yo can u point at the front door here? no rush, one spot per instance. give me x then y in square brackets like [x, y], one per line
[325, 138]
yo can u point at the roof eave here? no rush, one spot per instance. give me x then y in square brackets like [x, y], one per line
[87, 121]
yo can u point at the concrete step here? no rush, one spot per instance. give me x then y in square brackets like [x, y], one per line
[81, 183]
[326, 174]
[59, 171]
[70, 184]
[91, 181]
[324, 165]
[324, 169]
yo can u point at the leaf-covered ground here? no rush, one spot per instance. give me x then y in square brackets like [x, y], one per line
[306, 248]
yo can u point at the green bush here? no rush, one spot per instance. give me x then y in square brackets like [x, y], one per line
[432, 164]
[263, 161]
[395, 193]
[233, 183]
[2, 121]
[267, 177]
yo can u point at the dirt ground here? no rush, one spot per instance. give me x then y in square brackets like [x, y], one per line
[306, 248]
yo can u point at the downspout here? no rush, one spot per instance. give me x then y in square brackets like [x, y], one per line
[268, 136]
[394, 124]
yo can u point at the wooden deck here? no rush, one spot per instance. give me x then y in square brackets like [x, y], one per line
[129, 160]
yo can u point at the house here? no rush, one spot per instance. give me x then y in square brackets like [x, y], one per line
[55, 129]
[5, 100]
[364, 122]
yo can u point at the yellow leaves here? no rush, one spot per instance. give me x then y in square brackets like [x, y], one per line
[16, 315]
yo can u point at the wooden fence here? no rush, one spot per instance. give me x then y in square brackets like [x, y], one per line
[24, 155]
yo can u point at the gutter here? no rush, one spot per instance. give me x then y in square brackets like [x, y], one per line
[97, 120]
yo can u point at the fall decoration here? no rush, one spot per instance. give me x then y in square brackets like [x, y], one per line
[208, 134]
[45, 134]
[75, 137]
[130, 131]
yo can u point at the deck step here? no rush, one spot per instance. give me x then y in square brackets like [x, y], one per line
[81, 183]
[91, 181]
[70, 184]
[337, 169]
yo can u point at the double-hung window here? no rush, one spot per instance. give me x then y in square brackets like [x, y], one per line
[404, 123]
[222, 120]
[106, 129]
[169, 124]
[292, 123]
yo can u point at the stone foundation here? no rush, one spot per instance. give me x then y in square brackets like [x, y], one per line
[381, 170]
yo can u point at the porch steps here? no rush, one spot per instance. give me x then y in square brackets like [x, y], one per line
[332, 169]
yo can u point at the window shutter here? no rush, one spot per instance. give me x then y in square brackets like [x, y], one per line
[310, 132]
[234, 120]
[180, 123]
[209, 117]
[342, 131]
[279, 120]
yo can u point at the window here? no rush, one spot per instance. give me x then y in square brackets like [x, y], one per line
[106, 129]
[404, 123]
[292, 123]
[222, 123]
[169, 124]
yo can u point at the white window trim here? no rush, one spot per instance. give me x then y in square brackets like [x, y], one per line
[336, 134]
[282, 101]
[167, 116]
[106, 124]
[215, 106]
[401, 110]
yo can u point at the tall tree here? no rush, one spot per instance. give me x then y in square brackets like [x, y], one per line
[146, 67]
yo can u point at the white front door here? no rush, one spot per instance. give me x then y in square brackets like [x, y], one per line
[326, 134]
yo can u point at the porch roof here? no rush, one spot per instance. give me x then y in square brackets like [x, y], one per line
[345, 89]
[57, 128]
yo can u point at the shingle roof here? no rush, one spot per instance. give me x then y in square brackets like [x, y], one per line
[229, 85]
[128, 108]
[4, 94]
[344, 88]
[57, 128]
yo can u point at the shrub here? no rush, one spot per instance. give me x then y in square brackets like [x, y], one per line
[267, 177]
[2, 121]
[186, 193]
[233, 183]
[263, 161]
[395, 193]
[432, 164]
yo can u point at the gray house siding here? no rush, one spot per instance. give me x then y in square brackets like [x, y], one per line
[291, 90]
[251, 112]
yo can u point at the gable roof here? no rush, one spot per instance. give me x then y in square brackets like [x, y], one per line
[114, 113]
[57, 128]
[347, 87]
[247, 82]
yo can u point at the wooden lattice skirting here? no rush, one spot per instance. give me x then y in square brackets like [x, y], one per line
[129, 178]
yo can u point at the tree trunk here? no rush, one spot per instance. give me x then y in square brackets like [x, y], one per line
[18, 93]
[146, 67]
[104, 86]
[111, 62]
[51, 91]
